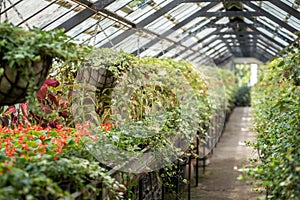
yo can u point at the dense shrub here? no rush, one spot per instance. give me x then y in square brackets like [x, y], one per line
[243, 96]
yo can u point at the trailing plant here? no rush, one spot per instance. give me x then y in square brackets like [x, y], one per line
[19, 47]
[276, 110]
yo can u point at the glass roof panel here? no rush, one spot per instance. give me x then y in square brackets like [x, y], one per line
[32, 12]
[186, 54]
[195, 24]
[184, 10]
[160, 26]
[274, 10]
[261, 46]
[267, 44]
[189, 42]
[156, 48]
[176, 35]
[214, 43]
[171, 18]
[174, 51]
[140, 14]
[293, 21]
[289, 3]
[272, 36]
[266, 21]
[118, 4]
[223, 49]
[49, 14]
[271, 52]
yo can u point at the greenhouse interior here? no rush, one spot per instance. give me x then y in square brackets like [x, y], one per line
[149, 99]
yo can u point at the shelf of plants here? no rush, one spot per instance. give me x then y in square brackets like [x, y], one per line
[116, 126]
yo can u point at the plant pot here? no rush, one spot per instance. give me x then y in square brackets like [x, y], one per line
[15, 86]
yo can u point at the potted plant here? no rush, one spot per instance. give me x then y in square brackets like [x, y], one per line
[26, 57]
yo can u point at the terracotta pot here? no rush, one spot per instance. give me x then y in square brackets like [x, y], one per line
[15, 85]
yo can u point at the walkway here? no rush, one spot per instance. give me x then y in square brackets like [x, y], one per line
[220, 179]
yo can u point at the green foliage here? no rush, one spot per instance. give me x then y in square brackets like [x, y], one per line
[242, 72]
[243, 96]
[230, 86]
[19, 47]
[170, 99]
[37, 163]
[276, 109]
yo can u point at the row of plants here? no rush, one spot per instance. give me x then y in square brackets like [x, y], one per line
[88, 118]
[276, 110]
[231, 88]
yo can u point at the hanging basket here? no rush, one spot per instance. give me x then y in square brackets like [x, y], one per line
[17, 82]
[26, 57]
[101, 78]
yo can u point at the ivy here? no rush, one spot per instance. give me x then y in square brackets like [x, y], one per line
[276, 110]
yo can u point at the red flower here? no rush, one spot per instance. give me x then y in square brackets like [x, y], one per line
[58, 150]
[10, 152]
[42, 137]
[25, 146]
[43, 151]
[107, 126]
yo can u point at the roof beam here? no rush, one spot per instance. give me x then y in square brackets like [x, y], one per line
[83, 15]
[265, 35]
[275, 51]
[219, 54]
[187, 37]
[146, 21]
[223, 60]
[118, 39]
[216, 50]
[231, 14]
[262, 56]
[269, 44]
[198, 1]
[227, 44]
[286, 8]
[176, 27]
[271, 17]
[237, 33]
[283, 37]
[159, 13]
[266, 52]
[254, 42]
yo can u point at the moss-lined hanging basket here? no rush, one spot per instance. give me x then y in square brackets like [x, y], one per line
[15, 85]
[26, 57]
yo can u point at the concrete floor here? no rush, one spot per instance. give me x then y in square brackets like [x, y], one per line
[219, 182]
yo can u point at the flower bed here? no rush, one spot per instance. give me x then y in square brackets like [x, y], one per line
[48, 163]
